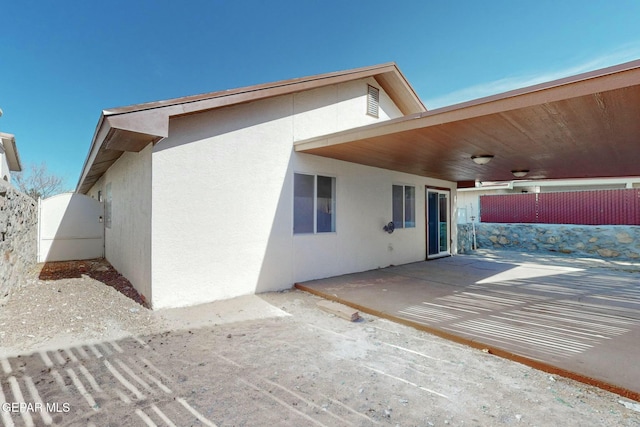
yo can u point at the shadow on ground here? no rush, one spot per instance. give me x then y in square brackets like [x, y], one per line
[98, 269]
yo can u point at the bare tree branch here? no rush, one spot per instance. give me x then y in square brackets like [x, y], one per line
[38, 182]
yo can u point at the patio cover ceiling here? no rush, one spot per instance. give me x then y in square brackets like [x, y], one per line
[578, 127]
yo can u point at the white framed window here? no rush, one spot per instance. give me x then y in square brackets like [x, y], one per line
[314, 204]
[404, 206]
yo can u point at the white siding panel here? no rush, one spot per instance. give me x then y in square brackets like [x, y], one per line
[4, 166]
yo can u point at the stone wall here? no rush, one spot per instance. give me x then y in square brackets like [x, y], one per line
[465, 238]
[18, 237]
[605, 241]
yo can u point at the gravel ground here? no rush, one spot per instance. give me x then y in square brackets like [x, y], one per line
[274, 359]
[69, 301]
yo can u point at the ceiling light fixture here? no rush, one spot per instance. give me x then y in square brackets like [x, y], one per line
[482, 159]
[520, 173]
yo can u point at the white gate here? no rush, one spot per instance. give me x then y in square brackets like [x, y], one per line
[70, 227]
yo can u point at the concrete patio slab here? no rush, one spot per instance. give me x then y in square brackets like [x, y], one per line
[576, 317]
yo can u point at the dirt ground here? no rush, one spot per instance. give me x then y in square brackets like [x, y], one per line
[71, 341]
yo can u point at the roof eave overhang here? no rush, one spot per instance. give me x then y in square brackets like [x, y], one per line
[132, 128]
[11, 151]
[116, 135]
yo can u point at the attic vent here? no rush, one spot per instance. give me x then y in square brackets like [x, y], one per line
[373, 101]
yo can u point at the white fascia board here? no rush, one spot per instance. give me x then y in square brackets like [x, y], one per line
[96, 143]
[11, 151]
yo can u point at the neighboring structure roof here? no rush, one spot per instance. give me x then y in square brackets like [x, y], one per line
[556, 185]
[133, 128]
[578, 127]
[8, 143]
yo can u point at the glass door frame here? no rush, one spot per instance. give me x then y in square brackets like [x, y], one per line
[447, 194]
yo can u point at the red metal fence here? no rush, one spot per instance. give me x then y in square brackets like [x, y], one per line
[597, 207]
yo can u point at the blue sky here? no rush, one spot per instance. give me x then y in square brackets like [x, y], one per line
[63, 62]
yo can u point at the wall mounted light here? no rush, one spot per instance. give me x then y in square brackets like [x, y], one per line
[520, 173]
[482, 159]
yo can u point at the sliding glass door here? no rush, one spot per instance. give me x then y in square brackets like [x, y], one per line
[438, 230]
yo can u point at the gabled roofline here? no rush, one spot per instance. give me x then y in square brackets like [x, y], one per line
[11, 150]
[286, 86]
[133, 127]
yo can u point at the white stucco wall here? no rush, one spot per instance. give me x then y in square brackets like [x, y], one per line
[128, 240]
[4, 166]
[363, 207]
[70, 227]
[469, 206]
[222, 194]
[218, 207]
[338, 107]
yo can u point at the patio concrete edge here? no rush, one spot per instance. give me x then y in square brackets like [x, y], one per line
[545, 367]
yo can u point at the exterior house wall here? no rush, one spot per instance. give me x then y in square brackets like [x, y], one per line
[338, 107]
[5, 173]
[223, 199]
[363, 207]
[128, 240]
[218, 210]
[469, 204]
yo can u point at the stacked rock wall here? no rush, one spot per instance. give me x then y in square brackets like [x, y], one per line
[605, 241]
[465, 238]
[18, 237]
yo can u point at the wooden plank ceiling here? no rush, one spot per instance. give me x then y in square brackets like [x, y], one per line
[593, 135]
